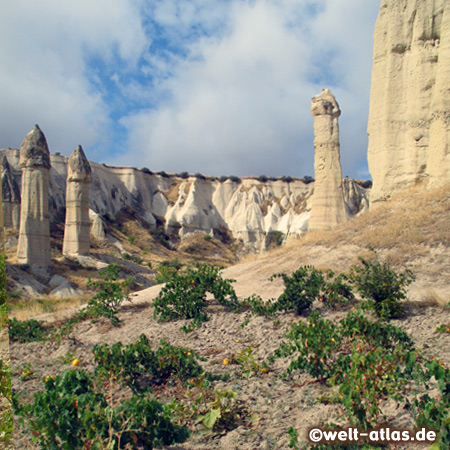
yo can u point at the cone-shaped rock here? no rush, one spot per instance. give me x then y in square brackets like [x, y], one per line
[34, 232]
[328, 207]
[409, 118]
[77, 228]
[10, 196]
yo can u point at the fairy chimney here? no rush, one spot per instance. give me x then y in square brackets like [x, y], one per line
[77, 228]
[328, 207]
[34, 231]
[10, 196]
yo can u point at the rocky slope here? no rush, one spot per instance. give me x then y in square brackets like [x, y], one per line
[253, 211]
[409, 120]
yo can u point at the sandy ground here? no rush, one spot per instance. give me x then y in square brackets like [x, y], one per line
[278, 403]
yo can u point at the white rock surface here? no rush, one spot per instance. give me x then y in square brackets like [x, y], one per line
[409, 120]
[250, 210]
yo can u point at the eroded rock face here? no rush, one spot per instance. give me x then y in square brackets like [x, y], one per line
[34, 235]
[10, 195]
[256, 212]
[77, 225]
[409, 120]
[328, 206]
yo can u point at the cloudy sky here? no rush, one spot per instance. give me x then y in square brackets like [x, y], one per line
[221, 87]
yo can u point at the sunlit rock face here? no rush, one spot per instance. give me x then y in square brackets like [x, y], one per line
[254, 211]
[409, 120]
[34, 232]
[77, 224]
[328, 206]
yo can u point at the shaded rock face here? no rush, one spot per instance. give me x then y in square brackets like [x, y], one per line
[328, 206]
[409, 120]
[253, 211]
[34, 235]
[10, 195]
[77, 225]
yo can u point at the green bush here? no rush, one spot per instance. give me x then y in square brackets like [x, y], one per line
[184, 296]
[377, 282]
[300, 289]
[368, 360]
[77, 412]
[27, 331]
[140, 367]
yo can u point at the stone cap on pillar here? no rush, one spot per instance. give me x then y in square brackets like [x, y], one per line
[34, 150]
[325, 104]
[78, 167]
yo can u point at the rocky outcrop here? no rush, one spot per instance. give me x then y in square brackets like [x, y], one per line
[248, 209]
[328, 206]
[34, 235]
[10, 195]
[409, 120]
[77, 224]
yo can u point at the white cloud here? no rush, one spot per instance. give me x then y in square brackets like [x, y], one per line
[219, 87]
[240, 102]
[44, 54]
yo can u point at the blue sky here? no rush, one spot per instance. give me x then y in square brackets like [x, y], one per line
[221, 87]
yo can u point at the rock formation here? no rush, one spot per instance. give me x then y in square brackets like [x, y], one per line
[34, 234]
[2, 237]
[10, 196]
[77, 228]
[409, 120]
[328, 206]
[247, 209]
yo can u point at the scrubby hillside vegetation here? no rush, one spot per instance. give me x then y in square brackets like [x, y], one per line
[354, 330]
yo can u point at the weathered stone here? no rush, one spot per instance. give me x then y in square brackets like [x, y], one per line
[328, 207]
[77, 228]
[10, 196]
[409, 119]
[34, 234]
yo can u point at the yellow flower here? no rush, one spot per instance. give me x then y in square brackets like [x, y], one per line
[264, 370]
[226, 361]
[76, 362]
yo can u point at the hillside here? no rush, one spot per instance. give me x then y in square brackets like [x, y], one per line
[410, 229]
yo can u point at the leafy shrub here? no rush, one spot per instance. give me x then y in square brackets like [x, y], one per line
[200, 176]
[207, 237]
[263, 178]
[307, 179]
[183, 175]
[369, 360]
[131, 239]
[147, 170]
[111, 295]
[6, 416]
[336, 292]
[377, 282]
[184, 296]
[27, 331]
[223, 178]
[77, 412]
[235, 179]
[140, 367]
[167, 270]
[287, 179]
[163, 174]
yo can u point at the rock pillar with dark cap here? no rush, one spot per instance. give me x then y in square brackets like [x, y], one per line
[328, 207]
[77, 229]
[10, 196]
[34, 232]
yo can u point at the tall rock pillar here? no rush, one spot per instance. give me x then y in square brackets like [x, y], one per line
[77, 229]
[409, 118]
[34, 233]
[328, 207]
